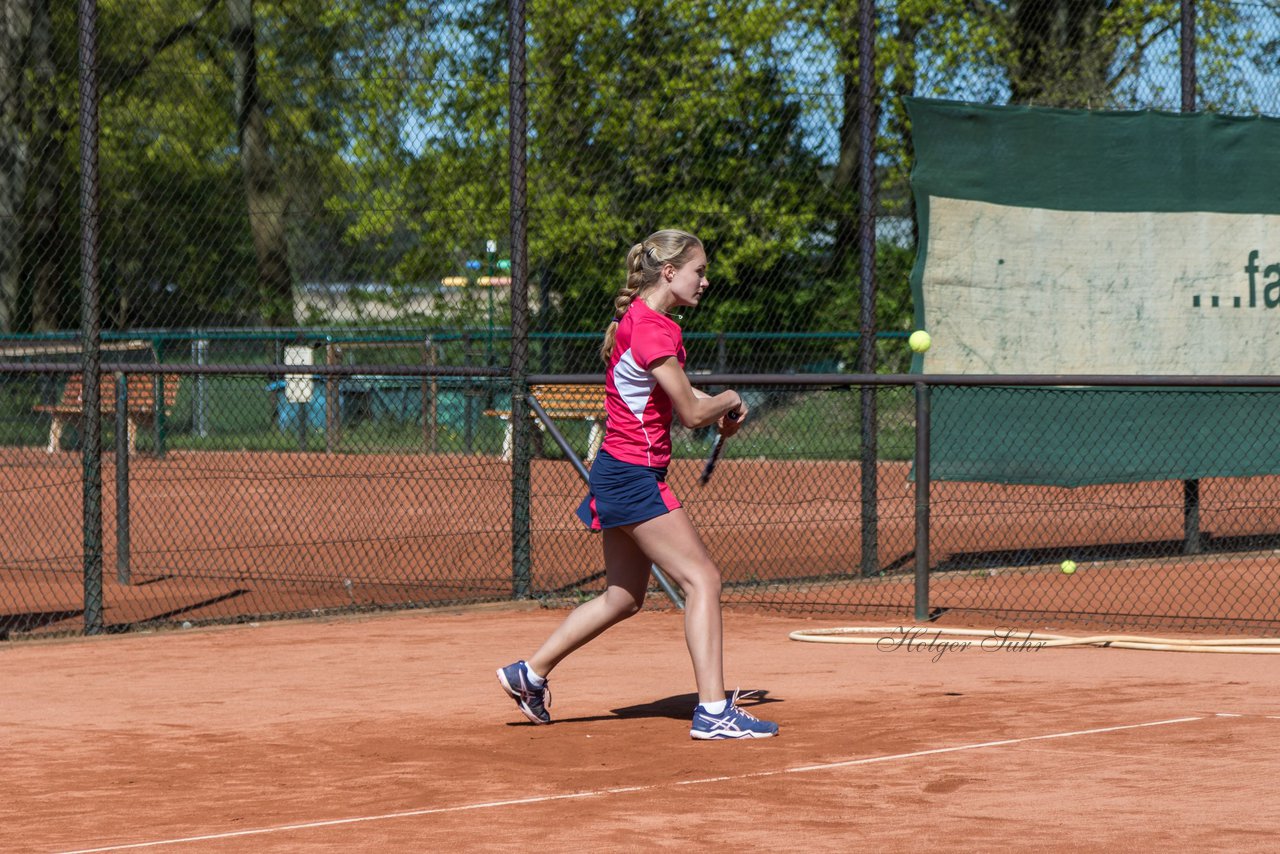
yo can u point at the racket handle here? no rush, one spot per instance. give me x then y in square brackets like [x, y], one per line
[716, 447]
[711, 460]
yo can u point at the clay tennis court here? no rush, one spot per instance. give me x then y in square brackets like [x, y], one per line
[217, 536]
[390, 733]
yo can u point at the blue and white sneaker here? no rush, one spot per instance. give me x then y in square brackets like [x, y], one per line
[733, 722]
[514, 679]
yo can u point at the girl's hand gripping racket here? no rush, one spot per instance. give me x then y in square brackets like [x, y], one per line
[716, 447]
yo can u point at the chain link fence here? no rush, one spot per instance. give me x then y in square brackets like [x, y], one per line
[308, 301]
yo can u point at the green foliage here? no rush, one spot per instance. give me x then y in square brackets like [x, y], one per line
[174, 237]
[625, 139]
[387, 124]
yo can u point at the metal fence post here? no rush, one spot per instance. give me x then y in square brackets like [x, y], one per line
[332, 398]
[867, 279]
[157, 384]
[521, 466]
[123, 564]
[199, 414]
[1187, 55]
[923, 418]
[1191, 542]
[430, 396]
[468, 397]
[91, 324]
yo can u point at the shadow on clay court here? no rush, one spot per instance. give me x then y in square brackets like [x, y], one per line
[33, 621]
[30, 620]
[678, 707]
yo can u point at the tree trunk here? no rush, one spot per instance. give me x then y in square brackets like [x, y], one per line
[15, 46]
[844, 181]
[46, 248]
[1060, 59]
[903, 86]
[266, 203]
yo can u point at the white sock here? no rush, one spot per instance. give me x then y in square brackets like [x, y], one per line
[534, 679]
[716, 708]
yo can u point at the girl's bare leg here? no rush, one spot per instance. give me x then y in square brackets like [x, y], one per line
[627, 579]
[673, 543]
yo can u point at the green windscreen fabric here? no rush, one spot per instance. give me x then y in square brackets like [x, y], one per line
[1079, 436]
[1075, 242]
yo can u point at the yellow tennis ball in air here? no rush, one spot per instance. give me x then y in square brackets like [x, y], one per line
[1068, 567]
[919, 341]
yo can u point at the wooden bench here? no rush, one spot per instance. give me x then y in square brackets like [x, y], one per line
[585, 402]
[141, 411]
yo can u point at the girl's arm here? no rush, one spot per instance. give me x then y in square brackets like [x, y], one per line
[728, 426]
[692, 407]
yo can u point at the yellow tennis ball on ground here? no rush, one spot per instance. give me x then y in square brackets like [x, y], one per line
[919, 341]
[1068, 567]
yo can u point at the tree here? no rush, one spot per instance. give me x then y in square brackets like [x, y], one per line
[839, 22]
[50, 254]
[302, 140]
[267, 205]
[1063, 52]
[642, 116]
[16, 25]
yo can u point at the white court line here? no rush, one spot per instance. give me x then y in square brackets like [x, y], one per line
[984, 744]
[802, 769]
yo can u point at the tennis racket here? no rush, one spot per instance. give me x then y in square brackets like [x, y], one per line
[716, 447]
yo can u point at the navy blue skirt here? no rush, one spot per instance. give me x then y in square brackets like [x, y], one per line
[624, 494]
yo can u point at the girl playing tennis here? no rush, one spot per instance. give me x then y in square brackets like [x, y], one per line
[641, 520]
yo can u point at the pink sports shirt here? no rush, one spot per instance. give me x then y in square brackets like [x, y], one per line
[637, 410]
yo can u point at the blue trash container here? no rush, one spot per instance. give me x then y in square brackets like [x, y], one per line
[287, 411]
